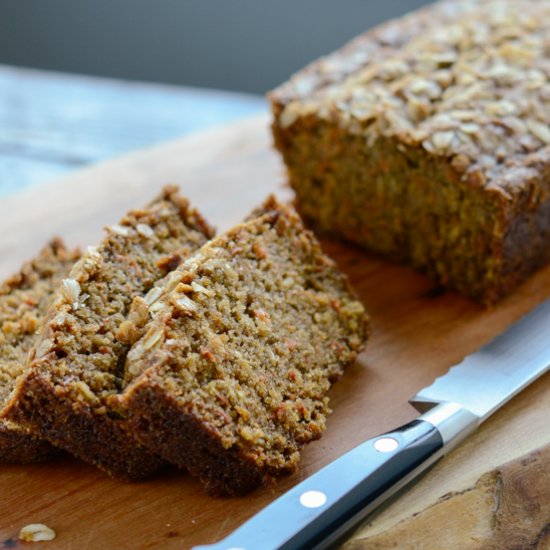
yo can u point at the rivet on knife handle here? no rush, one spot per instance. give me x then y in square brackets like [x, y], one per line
[317, 511]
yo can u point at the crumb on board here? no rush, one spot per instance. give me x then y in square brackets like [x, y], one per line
[36, 532]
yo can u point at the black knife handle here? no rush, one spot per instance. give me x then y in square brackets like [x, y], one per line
[317, 511]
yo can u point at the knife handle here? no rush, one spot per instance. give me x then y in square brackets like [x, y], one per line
[319, 510]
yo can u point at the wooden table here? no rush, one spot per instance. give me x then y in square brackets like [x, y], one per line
[418, 334]
[52, 123]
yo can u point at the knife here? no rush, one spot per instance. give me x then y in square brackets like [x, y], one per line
[317, 512]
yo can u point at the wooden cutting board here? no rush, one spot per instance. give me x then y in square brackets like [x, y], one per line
[419, 331]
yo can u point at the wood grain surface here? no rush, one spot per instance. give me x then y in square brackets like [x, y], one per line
[52, 123]
[419, 331]
[507, 508]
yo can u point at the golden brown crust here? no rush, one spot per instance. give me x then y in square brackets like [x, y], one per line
[17, 446]
[161, 425]
[101, 441]
[473, 87]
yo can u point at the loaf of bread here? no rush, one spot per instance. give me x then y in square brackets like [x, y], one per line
[24, 301]
[77, 364]
[230, 379]
[427, 140]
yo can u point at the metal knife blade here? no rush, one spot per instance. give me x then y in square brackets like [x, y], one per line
[318, 511]
[485, 380]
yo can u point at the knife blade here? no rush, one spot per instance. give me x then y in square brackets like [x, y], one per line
[317, 512]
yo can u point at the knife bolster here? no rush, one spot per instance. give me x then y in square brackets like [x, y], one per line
[453, 422]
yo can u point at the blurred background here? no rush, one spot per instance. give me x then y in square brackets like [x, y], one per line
[244, 45]
[173, 67]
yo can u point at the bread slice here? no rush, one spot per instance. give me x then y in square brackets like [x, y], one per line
[77, 364]
[24, 300]
[231, 378]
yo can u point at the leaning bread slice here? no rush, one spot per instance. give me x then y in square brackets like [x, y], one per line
[77, 364]
[24, 300]
[231, 378]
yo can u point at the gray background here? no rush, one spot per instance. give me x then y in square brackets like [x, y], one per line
[246, 45]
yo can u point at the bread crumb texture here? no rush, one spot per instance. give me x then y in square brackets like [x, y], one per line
[24, 300]
[245, 344]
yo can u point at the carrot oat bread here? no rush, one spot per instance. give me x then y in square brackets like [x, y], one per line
[427, 140]
[24, 300]
[77, 364]
[231, 378]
